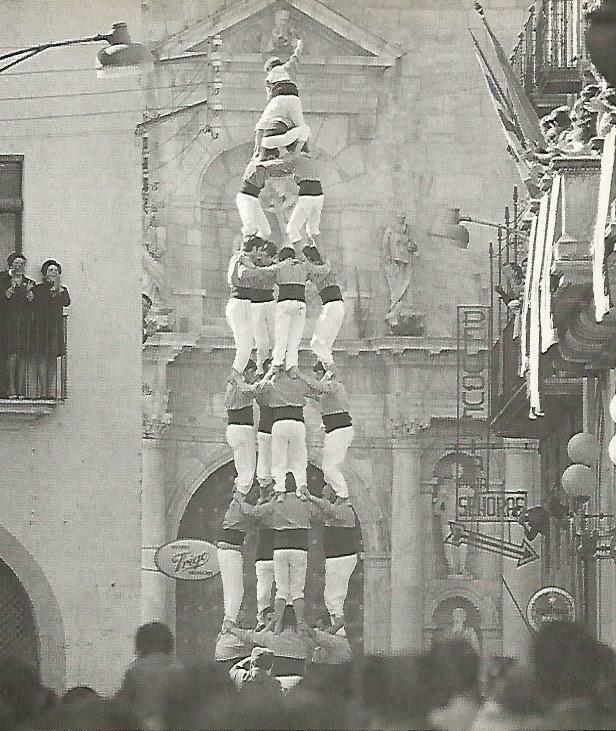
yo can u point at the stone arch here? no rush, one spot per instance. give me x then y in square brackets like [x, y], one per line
[347, 224]
[47, 614]
[484, 605]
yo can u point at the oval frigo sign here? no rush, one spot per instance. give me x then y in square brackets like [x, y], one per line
[189, 559]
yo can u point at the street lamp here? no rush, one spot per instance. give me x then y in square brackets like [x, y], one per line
[450, 227]
[121, 56]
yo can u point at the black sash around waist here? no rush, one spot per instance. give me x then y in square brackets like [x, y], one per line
[241, 417]
[310, 187]
[234, 536]
[241, 293]
[339, 541]
[265, 420]
[336, 421]
[250, 189]
[292, 292]
[331, 294]
[265, 545]
[284, 88]
[292, 413]
[261, 295]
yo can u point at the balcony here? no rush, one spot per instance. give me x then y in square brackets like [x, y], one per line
[33, 371]
[549, 50]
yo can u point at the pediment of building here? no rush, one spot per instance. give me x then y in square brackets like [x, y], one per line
[253, 29]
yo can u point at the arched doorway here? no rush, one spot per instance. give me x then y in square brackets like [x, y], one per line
[18, 631]
[199, 606]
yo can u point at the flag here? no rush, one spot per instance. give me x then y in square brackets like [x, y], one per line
[516, 142]
[523, 110]
[603, 298]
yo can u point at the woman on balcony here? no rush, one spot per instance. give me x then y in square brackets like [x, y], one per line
[16, 295]
[50, 299]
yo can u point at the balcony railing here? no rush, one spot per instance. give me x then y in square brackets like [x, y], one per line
[33, 357]
[550, 47]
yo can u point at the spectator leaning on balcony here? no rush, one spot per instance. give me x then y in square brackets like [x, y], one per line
[16, 295]
[50, 299]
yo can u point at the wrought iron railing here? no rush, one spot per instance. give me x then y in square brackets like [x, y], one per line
[550, 43]
[33, 356]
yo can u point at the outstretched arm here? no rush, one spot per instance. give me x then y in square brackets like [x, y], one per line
[291, 64]
[315, 385]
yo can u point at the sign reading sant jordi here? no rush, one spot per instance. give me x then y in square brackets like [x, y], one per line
[189, 559]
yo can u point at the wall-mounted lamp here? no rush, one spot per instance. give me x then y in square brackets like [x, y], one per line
[450, 227]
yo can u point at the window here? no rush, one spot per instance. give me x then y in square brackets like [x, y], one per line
[11, 205]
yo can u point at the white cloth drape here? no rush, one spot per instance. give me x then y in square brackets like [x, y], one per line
[607, 190]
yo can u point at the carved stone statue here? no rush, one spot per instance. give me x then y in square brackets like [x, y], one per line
[461, 631]
[282, 39]
[398, 248]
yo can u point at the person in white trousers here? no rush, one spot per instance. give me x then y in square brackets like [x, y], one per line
[231, 537]
[271, 163]
[341, 545]
[264, 440]
[290, 306]
[290, 519]
[240, 278]
[331, 317]
[240, 433]
[309, 206]
[263, 304]
[337, 423]
[287, 396]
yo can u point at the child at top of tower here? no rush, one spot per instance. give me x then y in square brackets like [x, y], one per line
[283, 96]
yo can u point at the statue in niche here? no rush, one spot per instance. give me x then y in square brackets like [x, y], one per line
[281, 42]
[460, 630]
[444, 511]
[398, 248]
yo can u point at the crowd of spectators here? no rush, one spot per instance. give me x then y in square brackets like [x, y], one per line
[32, 335]
[567, 683]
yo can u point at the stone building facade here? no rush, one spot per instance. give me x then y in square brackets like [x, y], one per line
[403, 131]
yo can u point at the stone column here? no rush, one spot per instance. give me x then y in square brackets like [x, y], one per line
[153, 516]
[522, 472]
[407, 540]
[377, 601]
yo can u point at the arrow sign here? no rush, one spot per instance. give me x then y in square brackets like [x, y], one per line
[524, 553]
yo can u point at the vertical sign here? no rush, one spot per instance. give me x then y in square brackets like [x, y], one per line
[473, 377]
[473, 361]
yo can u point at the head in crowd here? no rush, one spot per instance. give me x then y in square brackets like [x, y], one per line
[51, 270]
[22, 695]
[457, 665]
[146, 305]
[396, 691]
[79, 694]
[262, 659]
[16, 263]
[565, 662]
[154, 638]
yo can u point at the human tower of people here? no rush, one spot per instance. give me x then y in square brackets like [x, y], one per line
[275, 325]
